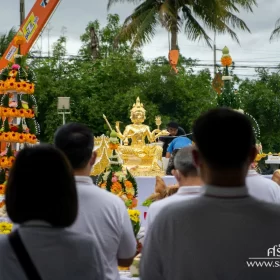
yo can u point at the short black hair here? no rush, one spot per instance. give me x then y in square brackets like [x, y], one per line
[41, 186]
[173, 125]
[224, 137]
[76, 141]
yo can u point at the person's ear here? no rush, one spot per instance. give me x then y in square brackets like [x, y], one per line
[93, 158]
[176, 174]
[196, 157]
[253, 154]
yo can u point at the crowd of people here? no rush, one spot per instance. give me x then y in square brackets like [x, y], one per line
[223, 217]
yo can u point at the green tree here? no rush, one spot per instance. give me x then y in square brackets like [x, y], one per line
[110, 85]
[175, 15]
[182, 97]
[5, 40]
[261, 99]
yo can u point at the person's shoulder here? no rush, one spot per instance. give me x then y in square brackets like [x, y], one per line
[181, 130]
[175, 140]
[270, 209]
[163, 202]
[259, 180]
[160, 205]
[184, 139]
[174, 205]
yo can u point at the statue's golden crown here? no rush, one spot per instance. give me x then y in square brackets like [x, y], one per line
[138, 106]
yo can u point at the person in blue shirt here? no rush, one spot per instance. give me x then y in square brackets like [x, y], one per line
[178, 143]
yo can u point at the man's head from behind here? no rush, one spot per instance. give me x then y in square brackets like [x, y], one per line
[76, 141]
[172, 128]
[184, 167]
[225, 142]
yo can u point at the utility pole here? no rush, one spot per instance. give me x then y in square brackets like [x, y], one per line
[63, 32]
[215, 54]
[22, 11]
[49, 29]
[94, 43]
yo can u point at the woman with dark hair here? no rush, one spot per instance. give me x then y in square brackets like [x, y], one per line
[41, 197]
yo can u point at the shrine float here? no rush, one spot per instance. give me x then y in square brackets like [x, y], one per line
[18, 126]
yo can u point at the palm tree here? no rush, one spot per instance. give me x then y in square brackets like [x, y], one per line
[191, 15]
[6, 39]
[276, 32]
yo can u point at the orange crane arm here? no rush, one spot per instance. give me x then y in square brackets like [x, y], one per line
[31, 28]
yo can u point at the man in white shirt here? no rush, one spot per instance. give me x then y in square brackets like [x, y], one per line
[224, 233]
[262, 188]
[189, 184]
[100, 213]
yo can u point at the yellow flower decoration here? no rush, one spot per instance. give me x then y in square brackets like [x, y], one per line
[5, 227]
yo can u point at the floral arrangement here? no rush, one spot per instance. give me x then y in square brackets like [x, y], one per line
[116, 180]
[5, 227]
[17, 77]
[135, 220]
[226, 59]
[18, 108]
[134, 216]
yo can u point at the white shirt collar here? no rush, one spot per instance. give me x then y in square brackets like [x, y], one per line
[189, 190]
[36, 223]
[226, 192]
[84, 179]
[252, 172]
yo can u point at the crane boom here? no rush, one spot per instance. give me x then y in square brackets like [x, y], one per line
[31, 28]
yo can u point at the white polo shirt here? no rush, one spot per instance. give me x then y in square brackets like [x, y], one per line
[56, 253]
[262, 188]
[183, 193]
[212, 237]
[105, 216]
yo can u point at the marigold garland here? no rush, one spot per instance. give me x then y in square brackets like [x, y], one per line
[6, 162]
[11, 85]
[116, 188]
[17, 137]
[226, 60]
[113, 146]
[2, 189]
[16, 113]
[19, 39]
[2, 203]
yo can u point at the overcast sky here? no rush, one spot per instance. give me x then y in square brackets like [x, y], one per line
[255, 48]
